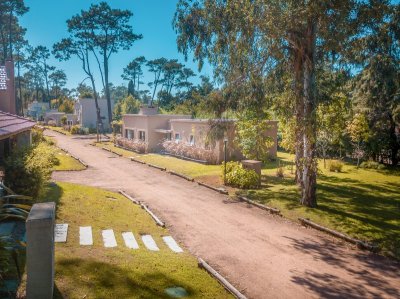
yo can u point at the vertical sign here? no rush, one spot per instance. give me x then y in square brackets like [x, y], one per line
[3, 78]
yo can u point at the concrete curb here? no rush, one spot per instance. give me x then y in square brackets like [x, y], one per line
[181, 175]
[111, 151]
[143, 206]
[260, 206]
[76, 158]
[129, 197]
[359, 243]
[222, 191]
[157, 167]
[156, 219]
[137, 161]
[226, 284]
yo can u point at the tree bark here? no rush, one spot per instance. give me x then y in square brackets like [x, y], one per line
[299, 112]
[107, 88]
[309, 134]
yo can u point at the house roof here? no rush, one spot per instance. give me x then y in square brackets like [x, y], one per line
[11, 124]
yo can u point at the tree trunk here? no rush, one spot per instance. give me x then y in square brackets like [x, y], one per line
[309, 134]
[107, 88]
[299, 112]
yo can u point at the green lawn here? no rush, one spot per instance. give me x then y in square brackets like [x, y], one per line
[362, 203]
[98, 272]
[58, 129]
[188, 168]
[66, 162]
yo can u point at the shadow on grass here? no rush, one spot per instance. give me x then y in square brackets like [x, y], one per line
[368, 211]
[104, 280]
[332, 286]
[51, 192]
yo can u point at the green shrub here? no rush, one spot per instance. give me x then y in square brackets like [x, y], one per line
[37, 135]
[76, 129]
[27, 171]
[63, 120]
[372, 165]
[335, 165]
[237, 176]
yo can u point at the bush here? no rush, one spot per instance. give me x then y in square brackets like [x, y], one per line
[92, 130]
[63, 120]
[134, 145]
[37, 135]
[237, 176]
[27, 171]
[78, 130]
[335, 165]
[372, 165]
[52, 123]
[186, 150]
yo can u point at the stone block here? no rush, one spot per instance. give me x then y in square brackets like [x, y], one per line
[40, 251]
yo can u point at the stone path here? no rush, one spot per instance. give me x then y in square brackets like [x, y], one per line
[109, 241]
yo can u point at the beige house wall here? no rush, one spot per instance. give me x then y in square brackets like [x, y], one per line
[148, 124]
[200, 130]
[185, 127]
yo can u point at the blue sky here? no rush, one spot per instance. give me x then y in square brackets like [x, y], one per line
[46, 24]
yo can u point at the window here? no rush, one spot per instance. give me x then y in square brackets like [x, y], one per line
[142, 135]
[191, 140]
[69, 122]
[130, 134]
[169, 136]
[177, 137]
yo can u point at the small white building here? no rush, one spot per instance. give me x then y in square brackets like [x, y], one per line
[85, 110]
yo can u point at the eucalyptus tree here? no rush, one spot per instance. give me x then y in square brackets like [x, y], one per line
[39, 59]
[133, 72]
[108, 30]
[156, 67]
[58, 80]
[246, 39]
[10, 30]
[78, 44]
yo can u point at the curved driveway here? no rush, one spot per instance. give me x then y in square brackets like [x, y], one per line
[264, 256]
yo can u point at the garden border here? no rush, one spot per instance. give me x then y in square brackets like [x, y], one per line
[222, 191]
[181, 175]
[222, 280]
[260, 206]
[76, 158]
[360, 244]
[157, 167]
[145, 207]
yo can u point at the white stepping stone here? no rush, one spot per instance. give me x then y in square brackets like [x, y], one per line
[130, 240]
[149, 242]
[85, 235]
[60, 233]
[171, 243]
[109, 238]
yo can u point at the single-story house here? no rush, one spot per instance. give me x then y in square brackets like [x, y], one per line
[85, 111]
[15, 132]
[37, 110]
[154, 129]
[56, 116]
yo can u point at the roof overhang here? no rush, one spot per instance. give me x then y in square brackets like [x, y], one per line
[163, 131]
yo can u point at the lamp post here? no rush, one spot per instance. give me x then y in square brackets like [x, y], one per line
[225, 143]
